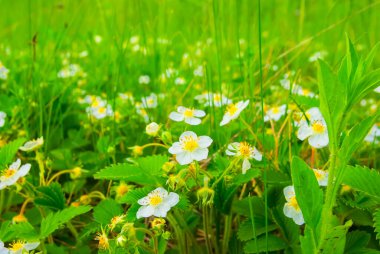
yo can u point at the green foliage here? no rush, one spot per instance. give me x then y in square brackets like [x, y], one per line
[363, 179]
[336, 239]
[274, 244]
[355, 137]
[8, 152]
[54, 220]
[51, 196]
[147, 172]
[106, 210]
[376, 225]
[246, 232]
[309, 195]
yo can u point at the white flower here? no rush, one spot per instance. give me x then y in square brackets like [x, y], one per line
[70, 71]
[190, 116]
[11, 175]
[157, 203]
[212, 99]
[244, 151]
[98, 39]
[142, 111]
[149, 101]
[152, 129]
[127, 96]
[233, 111]
[377, 90]
[100, 112]
[199, 71]
[18, 247]
[315, 130]
[374, 133]
[32, 145]
[3, 115]
[180, 81]
[144, 79]
[317, 55]
[275, 113]
[190, 148]
[322, 176]
[3, 72]
[291, 207]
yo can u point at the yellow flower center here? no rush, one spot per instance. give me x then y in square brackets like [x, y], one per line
[190, 144]
[305, 92]
[244, 149]
[155, 200]
[150, 101]
[95, 104]
[122, 189]
[9, 173]
[188, 113]
[101, 110]
[217, 97]
[293, 203]
[276, 110]
[232, 109]
[103, 241]
[318, 127]
[15, 246]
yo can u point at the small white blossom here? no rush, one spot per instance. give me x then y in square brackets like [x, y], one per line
[11, 175]
[374, 133]
[180, 81]
[32, 145]
[18, 247]
[244, 151]
[3, 115]
[190, 148]
[291, 207]
[233, 111]
[157, 203]
[322, 176]
[199, 71]
[315, 130]
[3, 72]
[149, 101]
[275, 113]
[152, 129]
[190, 116]
[144, 79]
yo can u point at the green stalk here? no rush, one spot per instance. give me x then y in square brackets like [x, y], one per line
[40, 162]
[205, 228]
[263, 130]
[253, 223]
[227, 232]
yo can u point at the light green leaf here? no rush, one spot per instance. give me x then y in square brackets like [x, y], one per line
[106, 210]
[8, 152]
[362, 179]
[274, 244]
[376, 225]
[51, 196]
[54, 220]
[336, 239]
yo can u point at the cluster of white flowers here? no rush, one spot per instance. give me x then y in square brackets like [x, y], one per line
[98, 107]
[71, 70]
[209, 99]
[3, 72]
[296, 89]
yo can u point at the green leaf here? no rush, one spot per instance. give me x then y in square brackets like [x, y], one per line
[336, 239]
[224, 195]
[8, 152]
[308, 193]
[148, 171]
[355, 137]
[134, 195]
[245, 231]
[51, 196]
[274, 244]
[333, 99]
[356, 241]
[54, 220]
[289, 229]
[24, 230]
[363, 179]
[376, 225]
[106, 210]
[308, 241]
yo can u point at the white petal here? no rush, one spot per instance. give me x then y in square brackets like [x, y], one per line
[200, 154]
[204, 141]
[31, 246]
[246, 166]
[319, 141]
[289, 211]
[226, 119]
[143, 201]
[257, 155]
[188, 134]
[199, 113]
[230, 153]
[298, 218]
[184, 158]
[15, 165]
[192, 120]
[161, 210]
[176, 116]
[176, 148]
[172, 199]
[145, 211]
[181, 109]
[24, 170]
[289, 192]
[304, 132]
[161, 192]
